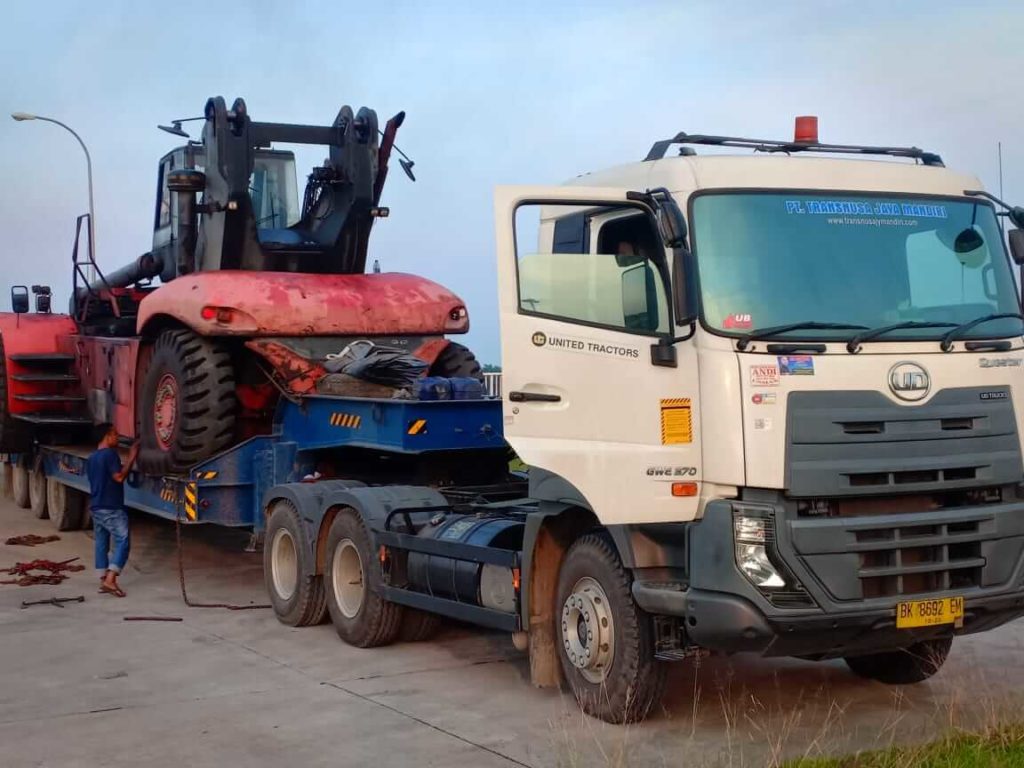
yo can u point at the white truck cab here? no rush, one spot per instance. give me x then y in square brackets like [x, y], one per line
[786, 388]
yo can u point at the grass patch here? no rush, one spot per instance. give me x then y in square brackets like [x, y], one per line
[1001, 747]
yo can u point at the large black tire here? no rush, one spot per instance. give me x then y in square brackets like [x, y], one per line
[37, 493]
[914, 664]
[66, 506]
[188, 406]
[298, 600]
[418, 625]
[456, 360]
[19, 484]
[606, 642]
[351, 580]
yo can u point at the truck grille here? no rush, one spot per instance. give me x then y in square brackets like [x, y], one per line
[918, 559]
[856, 443]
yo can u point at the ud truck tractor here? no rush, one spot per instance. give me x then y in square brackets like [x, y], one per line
[767, 393]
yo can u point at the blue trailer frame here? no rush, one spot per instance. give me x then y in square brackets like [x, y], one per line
[228, 489]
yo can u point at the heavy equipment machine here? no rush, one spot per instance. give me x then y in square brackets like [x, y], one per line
[254, 292]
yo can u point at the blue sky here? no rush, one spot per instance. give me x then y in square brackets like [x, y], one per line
[523, 93]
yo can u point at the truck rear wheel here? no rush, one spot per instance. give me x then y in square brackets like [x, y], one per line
[361, 616]
[418, 625]
[606, 641]
[19, 484]
[914, 664]
[187, 411]
[37, 493]
[65, 505]
[298, 600]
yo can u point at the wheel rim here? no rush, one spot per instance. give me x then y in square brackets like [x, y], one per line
[347, 578]
[284, 564]
[165, 410]
[588, 630]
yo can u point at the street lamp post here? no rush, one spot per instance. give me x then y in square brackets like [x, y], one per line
[90, 274]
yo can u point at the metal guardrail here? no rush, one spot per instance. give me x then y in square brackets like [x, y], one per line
[492, 383]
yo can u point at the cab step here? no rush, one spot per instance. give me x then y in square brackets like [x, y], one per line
[43, 358]
[50, 398]
[38, 377]
[54, 419]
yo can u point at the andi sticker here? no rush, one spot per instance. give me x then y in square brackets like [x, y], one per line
[738, 321]
[796, 365]
[764, 376]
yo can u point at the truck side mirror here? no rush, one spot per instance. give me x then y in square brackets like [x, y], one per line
[673, 224]
[19, 299]
[684, 287]
[1016, 237]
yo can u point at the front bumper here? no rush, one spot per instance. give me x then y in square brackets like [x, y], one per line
[730, 623]
[721, 610]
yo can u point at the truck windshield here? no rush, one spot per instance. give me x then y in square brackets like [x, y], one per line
[771, 259]
[272, 188]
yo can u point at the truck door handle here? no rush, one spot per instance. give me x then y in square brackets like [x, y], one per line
[535, 397]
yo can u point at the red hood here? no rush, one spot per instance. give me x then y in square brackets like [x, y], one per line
[287, 304]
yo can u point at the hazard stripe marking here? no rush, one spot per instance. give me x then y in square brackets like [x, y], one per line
[417, 426]
[347, 420]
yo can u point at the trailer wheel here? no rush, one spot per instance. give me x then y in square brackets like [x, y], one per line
[606, 640]
[19, 484]
[418, 625]
[65, 505]
[456, 360]
[37, 493]
[187, 411]
[910, 665]
[361, 616]
[298, 600]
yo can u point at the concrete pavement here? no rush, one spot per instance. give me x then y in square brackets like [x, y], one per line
[81, 687]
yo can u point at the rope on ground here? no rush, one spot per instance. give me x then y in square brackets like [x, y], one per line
[30, 540]
[181, 580]
[57, 572]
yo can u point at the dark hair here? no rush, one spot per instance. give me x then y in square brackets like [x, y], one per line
[100, 430]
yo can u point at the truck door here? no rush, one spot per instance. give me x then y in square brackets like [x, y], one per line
[584, 294]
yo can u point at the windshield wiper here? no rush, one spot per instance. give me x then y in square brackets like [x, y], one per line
[810, 325]
[947, 341]
[853, 345]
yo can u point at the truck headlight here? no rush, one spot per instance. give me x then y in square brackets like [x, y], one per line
[752, 536]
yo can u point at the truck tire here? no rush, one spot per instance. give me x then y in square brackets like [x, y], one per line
[418, 625]
[606, 642]
[187, 411]
[298, 600]
[351, 579]
[37, 493]
[456, 360]
[65, 505]
[910, 665]
[19, 484]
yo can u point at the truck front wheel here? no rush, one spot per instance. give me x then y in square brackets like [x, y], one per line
[187, 411]
[606, 640]
[914, 664]
[298, 599]
[351, 577]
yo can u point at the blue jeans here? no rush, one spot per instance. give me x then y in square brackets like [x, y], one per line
[111, 524]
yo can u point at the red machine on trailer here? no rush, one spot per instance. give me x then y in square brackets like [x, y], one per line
[256, 292]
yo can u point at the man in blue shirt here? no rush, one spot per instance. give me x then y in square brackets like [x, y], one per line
[106, 502]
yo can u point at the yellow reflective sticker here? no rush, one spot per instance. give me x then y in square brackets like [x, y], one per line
[676, 421]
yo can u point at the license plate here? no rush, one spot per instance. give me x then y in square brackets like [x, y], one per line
[928, 613]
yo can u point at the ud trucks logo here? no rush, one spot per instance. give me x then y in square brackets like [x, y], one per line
[909, 381]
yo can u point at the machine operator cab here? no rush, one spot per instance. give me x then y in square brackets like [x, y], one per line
[272, 189]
